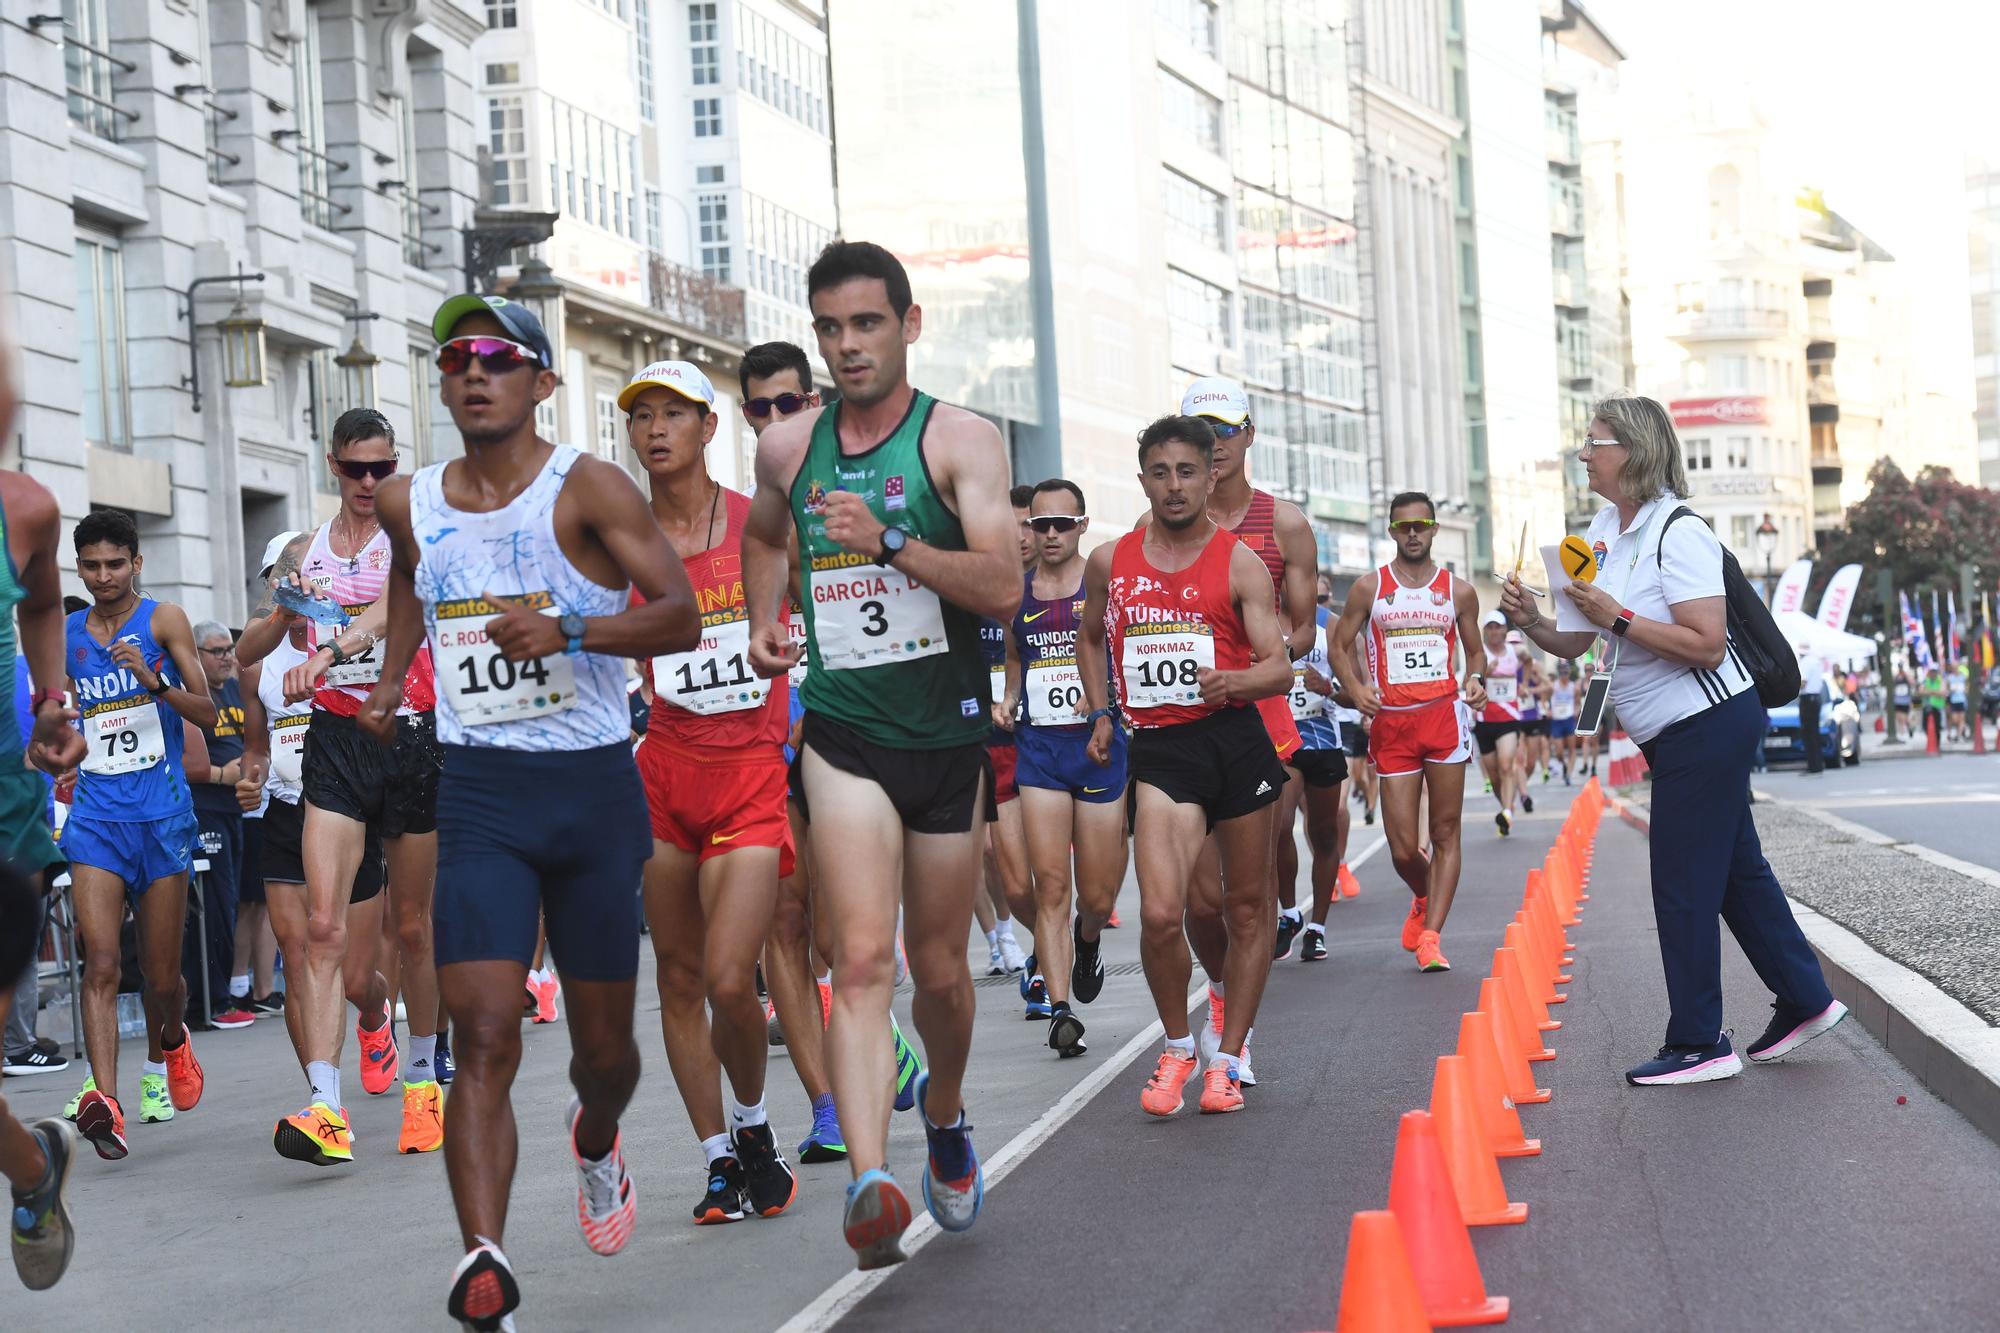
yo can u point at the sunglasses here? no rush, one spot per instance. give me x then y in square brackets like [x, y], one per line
[1323, 598]
[1225, 431]
[355, 469]
[786, 403]
[496, 355]
[1410, 527]
[1048, 523]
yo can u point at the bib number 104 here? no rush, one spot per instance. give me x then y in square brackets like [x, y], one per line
[498, 674]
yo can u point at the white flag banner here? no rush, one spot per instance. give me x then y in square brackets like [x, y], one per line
[1838, 599]
[1791, 593]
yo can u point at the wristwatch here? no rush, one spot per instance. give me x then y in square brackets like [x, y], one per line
[161, 688]
[893, 541]
[1623, 623]
[40, 697]
[572, 628]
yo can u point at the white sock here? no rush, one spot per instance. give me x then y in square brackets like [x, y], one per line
[993, 939]
[827, 980]
[714, 1148]
[1291, 914]
[1004, 929]
[421, 1055]
[1315, 928]
[741, 1116]
[1181, 1046]
[1215, 989]
[325, 1081]
[544, 976]
[239, 987]
[153, 1067]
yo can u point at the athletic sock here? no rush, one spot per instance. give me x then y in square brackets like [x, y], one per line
[824, 1099]
[1060, 1008]
[826, 979]
[1181, 1046]
[1315, 928]
[325, 1081]
[715, 1147]
[239, 987]
[420, 1060]
[741, 1116]
[992, 939]
[153, 1067]
[1004, 929]
[1291, 914]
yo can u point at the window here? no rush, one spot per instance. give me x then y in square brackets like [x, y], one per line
[100, 331]
[1733, 370]
[1472, 358]
[712, 212]
[88, 66]
[501, 14]
[708, 117]
[1699, 457]
[315, 167]
[323, 408]
[1193, 21]
[1198, 310]
[642, 44]
[779, 246]
[1695, 373]
[607, 425]
[1194, 211]
[423, 396]
[780, 70]
[711, 175]
[653, 237]
[1736, 453]
[548, 421]
[510, 72]
[704, 46]
[413, 204]
[1190, 111]
[507, 150]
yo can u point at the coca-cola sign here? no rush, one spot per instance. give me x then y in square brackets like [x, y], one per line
[1718, 412]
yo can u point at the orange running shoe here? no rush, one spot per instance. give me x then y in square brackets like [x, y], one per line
[1413, 924]
[100, 1119]
[423, 1117]
[1428, 957]
[317, 1134]
[1219, 1093]
[379, 1061]
[184, 1076]
[825, 1003]
[545, 1000]
[1162, 1095]
[1350, 887]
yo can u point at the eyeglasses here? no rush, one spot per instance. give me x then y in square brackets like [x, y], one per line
[1590, 446]
[786, 403]
[1048, 523]
[1410, 527]
[354, 469]
[1225, 431]
[1323, 598]
[225, 651]
[496, 355]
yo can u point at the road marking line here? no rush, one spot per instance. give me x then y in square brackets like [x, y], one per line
[832, 1305]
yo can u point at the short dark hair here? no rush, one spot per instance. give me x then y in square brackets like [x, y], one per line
[1414, 498]
[357, 424]
[1188, 430]
[1021, 496]
[843, 261]
[73, 604]
[1062, 484]
[107, 525]
[768, 359]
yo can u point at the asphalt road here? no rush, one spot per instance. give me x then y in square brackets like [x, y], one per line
[1948, 803]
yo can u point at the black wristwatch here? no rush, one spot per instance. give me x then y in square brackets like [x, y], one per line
[161, 688]
[893, 542]
[571, 627]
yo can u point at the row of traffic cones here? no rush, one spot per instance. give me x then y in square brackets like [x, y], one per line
[1411, 1267]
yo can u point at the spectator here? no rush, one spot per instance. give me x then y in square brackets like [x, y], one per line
[221, 822]
[25, 1052]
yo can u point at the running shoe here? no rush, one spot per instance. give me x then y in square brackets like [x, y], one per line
[774, 1031]
[1504, 821]
[1527, 803]
[607, 1203]
[1208, 1038]
[768, 1183]
[69, 1111]
[36, 1059]
[1244, 1074]
[1162, 1094]
[99, 1119]
[156, 1104]
[1038, 1001]
[1011, 956]
[1788, 1031]
[447, 1068]
[43, 1240]
[723, 1201]
[483, 1290]
[877, 1215]
[1086, 972]
[1113, 923]
[908, 1067]
[274, 1003]
[529, 999]
[1429, 959]
[1687, 1064]
[825, 1004]
[1368, 817]
[1288, 932]
[184, 1076]
[1219, 1093]
[954, 1183]
[423, 1117]
[1413, 924]
[379, 1060]
[1066, 1034]
[1314, 949]
[1350, 887]
[318, 1134]
[1029, 971]
[825, 1143]
[235, 1016]
[995, 967]
[545, 1002]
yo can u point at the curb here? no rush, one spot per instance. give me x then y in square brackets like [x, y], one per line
[1951, 1050]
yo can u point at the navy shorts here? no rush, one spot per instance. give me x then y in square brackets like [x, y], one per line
[1059, 758]
[137, 852]
[1562, 728]
[557, 835]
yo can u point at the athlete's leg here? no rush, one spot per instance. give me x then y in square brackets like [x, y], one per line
[604, 1058]
[788, 970]
[1009, 840]
[674, 917]
[22, 1160]
[1401, 795]
[1326, 834]
[361, 977]
[987, 906]
[938, 888]
[99, 900]
[161, 914]
[1446, 784]
[1250, 913]
[1207, 935]
[1100, 862]
[331, 847]
[1171, 837]
[1284, 846]
[22, 911]
[412, 877]
[1046, 816]
[1506, 786]
[480, 1142]
[738, 891]
[287, 904]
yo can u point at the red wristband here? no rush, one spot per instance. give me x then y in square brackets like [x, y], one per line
[1623, 623]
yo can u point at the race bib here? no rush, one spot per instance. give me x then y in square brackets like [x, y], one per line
[483, 686]
[364, 669]
[795, 626]
[125, 736]
[1305, 704]
[866, 616]
[1161, 663]
[288, 750]
[1055, 694]
[1502, 690]
[714, 676]
[998, 678]
[1418, 657]
[1562, 706]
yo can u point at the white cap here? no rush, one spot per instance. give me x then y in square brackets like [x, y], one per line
[684, 378]
[274, 549]
[1214, 396]
[1492, 618]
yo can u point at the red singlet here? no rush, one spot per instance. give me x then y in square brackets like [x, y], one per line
[1412, 637]
[1161, 628]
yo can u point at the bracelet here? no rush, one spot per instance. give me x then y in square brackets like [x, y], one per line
[333, 646]
[1090, 718]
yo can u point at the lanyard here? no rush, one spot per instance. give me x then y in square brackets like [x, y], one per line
[1624, 590]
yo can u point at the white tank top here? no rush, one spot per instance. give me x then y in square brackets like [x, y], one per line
[561, 702]
[287, 722]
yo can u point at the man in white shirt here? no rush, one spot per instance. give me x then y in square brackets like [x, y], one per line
[1812, 675]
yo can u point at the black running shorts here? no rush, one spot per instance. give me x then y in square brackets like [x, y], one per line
[1223, 763]
[390, 788]
[1488, 734]
[1320, 768]
[284, 854]
[934, 791]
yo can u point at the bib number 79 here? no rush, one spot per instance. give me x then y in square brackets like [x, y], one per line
[117, 742]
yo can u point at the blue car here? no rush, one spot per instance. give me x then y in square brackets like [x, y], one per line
[1839, 731]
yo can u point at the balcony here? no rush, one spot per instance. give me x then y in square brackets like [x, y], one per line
[1560, 143]
[696, 300]
[1566, 214]
[1822, 389]
[1729, 322]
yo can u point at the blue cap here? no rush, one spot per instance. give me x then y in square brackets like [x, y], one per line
[516, 318]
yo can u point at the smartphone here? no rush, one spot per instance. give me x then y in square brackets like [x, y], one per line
[1590, 713]
[319, 610]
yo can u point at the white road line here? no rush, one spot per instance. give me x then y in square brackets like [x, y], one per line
[1875, 837]
[831, 1305]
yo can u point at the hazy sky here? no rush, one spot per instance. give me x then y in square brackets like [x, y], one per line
[1876, 103]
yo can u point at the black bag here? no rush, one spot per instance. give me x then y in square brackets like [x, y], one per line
[1763, 652]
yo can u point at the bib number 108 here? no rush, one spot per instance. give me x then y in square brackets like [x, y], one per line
[1159, 673]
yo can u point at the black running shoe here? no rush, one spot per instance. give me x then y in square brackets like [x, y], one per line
[1527, 804]
[274, 1003]
[1066, 1033]
[768, 1182]
[1086, 973]
[1288, 931]
[724, 1200]
[1314, 947]
[1368, 817]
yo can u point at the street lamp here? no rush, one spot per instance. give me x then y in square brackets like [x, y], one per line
[242, 339]
[1767, 546]
[357, 374]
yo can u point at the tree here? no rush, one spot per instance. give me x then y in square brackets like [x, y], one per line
[1921, 531]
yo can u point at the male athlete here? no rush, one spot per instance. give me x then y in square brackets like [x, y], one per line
[1416, 615]
[355, 789]
[131, 830]
[1009, 896]
[1070, 804]
[1498, 730]
[1184, 611]
[516, 563]
[905, 540]
[1321, 769]
[220, 821]
[713, 764]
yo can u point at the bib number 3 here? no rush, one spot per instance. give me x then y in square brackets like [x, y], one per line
[865, 617]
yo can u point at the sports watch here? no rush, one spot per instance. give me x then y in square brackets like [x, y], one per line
[571, 627]
[893, 541]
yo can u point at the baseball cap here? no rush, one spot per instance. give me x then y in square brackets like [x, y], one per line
[516, 318]
[1214, 396]
[1492, 618]
[682, 377]
[273, 549]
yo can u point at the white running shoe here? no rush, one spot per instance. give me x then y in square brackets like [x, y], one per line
[1011, 956]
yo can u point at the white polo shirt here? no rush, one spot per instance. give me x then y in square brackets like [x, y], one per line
[1651, 693]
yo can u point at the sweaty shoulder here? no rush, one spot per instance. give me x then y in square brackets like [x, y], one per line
[1364, 590]
[955, 436]
[1288, 517]
[782, 448]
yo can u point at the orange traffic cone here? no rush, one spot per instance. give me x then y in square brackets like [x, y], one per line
[1535, 964]
[1513, 1022]
[1350, 887]
[1514, 1068]
[1540, 907]
[1489, 1086]
[1378, 1293]
[1562, 890]
[1475, 1174]
[1434, 1235]
[1508, 968]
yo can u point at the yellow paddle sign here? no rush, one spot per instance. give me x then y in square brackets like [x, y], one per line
[1577, 560]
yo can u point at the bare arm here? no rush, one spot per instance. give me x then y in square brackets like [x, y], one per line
[171, 628]
[256, 731]
[1697, 636]
[1091, 648]
[270, 622]
[770, 546]
[1004, 711]
[406, 613]
[34, 526]
[666, 622]
[1340, 637]
[1466, 603]
[1295, 544]
[1270, 672]
[195, 765]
